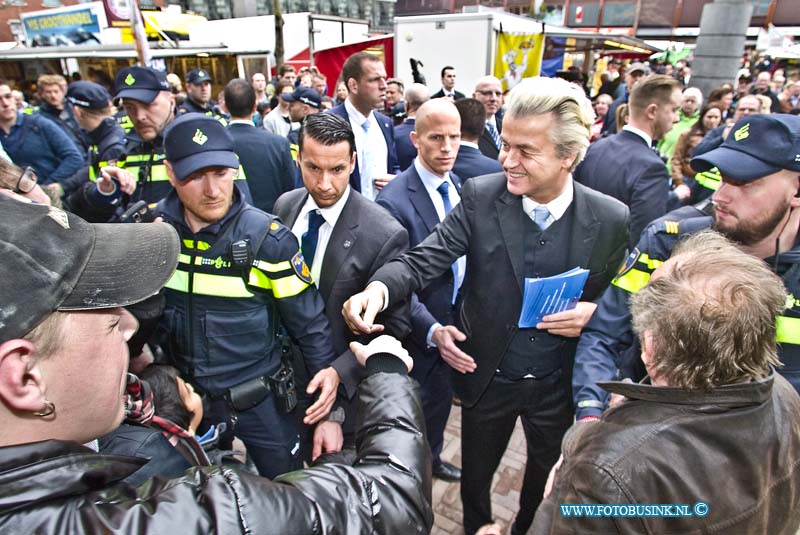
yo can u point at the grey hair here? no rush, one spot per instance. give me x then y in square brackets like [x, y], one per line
[569, 105]
[711, 314]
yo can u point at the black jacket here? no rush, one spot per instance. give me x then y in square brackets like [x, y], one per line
[65, 488]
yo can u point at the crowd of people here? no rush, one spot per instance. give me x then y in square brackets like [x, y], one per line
[202, 297]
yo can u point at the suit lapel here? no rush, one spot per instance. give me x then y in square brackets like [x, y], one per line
[584, 230]
[421, 200]
[294, 210]
[510, 217]
[340, 245]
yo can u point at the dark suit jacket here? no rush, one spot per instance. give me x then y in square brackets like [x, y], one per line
[408, 201]
[365, 237]
[440, 94]
[406, 151]
[624, 167]
[470, 162]
[387, 129]
[267, 162]
[486, 143]
[488, 226]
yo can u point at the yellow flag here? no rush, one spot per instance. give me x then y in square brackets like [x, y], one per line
[518, 57]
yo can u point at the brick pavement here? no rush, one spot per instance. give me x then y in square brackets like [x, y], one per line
[505, 486]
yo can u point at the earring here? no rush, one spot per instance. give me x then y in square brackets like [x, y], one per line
[50, 408]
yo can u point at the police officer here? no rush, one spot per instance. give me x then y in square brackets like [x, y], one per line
[91, 104]
[240, 277]
[198, 95]
[757, 206]
[150, 106]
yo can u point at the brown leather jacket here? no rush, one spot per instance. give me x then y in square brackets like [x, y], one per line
[736, 448]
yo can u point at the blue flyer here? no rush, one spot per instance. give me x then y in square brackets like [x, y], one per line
[549, 295]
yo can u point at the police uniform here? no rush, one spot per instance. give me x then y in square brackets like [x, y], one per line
[145, 159]
[199, 76]
[221, 317]
[608, 349]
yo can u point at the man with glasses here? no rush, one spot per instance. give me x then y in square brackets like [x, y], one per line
[489, 92]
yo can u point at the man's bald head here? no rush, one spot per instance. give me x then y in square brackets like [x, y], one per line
[436, 111]
[415, 96]
[437, 132]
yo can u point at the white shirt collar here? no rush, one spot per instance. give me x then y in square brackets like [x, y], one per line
[557, 206]
[492, 121]
[469, 144]
[241, 121]
[641, 133]
[356, 115]
[331, 213]
[428, 178]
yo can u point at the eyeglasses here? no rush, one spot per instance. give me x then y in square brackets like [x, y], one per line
[489, 93]
[27, 181]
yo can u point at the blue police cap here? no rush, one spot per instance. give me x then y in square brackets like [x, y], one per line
[140, 83]
[88, 95]
[306, 95]
[195, 141]
[198, 76]
[757, 146]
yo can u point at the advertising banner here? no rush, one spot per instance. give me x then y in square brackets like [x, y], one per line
[518, 57]
[67, 26]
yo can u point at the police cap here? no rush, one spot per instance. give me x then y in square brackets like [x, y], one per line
[306, 95]
[88, 95]
[757, 146]
[198, 76]
[140, 83]
[195, 141]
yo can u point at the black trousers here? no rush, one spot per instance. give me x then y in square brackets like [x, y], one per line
[546, 411]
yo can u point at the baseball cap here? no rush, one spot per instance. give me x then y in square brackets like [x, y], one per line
[638, 66]
[140, 83]
[53, 260]
[306, 95]
[195, 141]
[198, 76]
[757, 146]
[88, 95]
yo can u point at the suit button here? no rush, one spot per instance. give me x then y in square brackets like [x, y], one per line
[532, 338]
[542, 242]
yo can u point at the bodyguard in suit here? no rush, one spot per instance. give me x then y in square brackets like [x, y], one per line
[365, 77]
[420, 198]
[449, 85]
[265, 157]
[625, 165]
[470, 161]
[532, 221]
[415, 96]
[344, 238]
[489, 92]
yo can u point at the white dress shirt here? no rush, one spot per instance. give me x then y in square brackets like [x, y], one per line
[373, 141]
[557, 206]
[331, 216]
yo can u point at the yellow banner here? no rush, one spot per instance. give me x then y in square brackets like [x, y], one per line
[518, 57]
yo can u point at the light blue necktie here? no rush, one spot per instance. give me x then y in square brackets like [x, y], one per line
[444, 191]
[542, 217]
[366, 164]
[494, 133]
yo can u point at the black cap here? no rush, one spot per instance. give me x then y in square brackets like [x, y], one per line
[757, 146]
[140, 83]
[198, 76]
[306, 95]
[88, 95]
[53, 260]
[195, 141]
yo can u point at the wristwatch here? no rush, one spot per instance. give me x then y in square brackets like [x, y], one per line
[27, 181]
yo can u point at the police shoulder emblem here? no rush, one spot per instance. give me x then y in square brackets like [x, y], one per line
[671, 227]
[629, 262]
[301, 268]
[199, 137]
